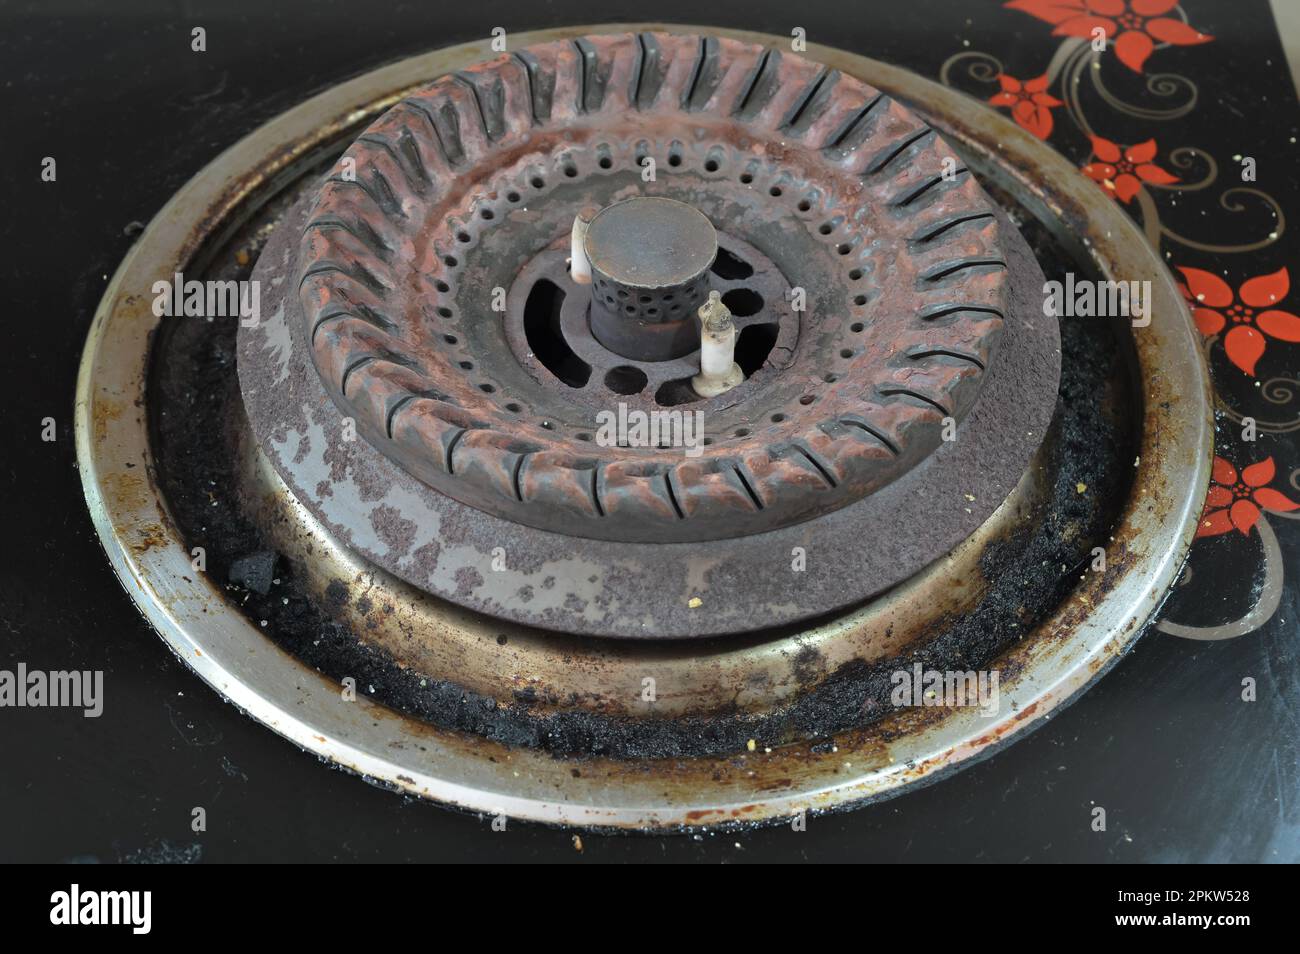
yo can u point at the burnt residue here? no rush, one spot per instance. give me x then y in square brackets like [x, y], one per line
[194, 395]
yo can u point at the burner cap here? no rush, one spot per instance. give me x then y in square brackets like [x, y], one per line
[650, 259]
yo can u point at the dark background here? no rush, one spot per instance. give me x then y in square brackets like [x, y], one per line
[1184, 768]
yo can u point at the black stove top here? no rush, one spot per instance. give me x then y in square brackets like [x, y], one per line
[1186, 768]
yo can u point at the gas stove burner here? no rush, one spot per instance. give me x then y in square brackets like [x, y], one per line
[868, 277]
[625, 413]
[881, 263]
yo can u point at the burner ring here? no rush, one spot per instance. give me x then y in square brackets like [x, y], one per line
[891, 246]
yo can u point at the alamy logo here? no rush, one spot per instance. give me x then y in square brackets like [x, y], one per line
[179, 298]
[636, 428]
[953, 689]
[36, 689]
[1088, 299]
[103, 907]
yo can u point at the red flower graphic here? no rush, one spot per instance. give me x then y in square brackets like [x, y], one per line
[1135, 25]
[1031, 104]
[1234, 502]
[1122, 173]
[1215, 307]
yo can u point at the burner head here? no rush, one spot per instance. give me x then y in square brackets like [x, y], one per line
[430, 385]
[650, 258]
[860, 260]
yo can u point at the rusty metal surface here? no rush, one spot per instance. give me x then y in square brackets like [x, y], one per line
[554, 581]
[1097, 624]
[852, 196]
[557, 672]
